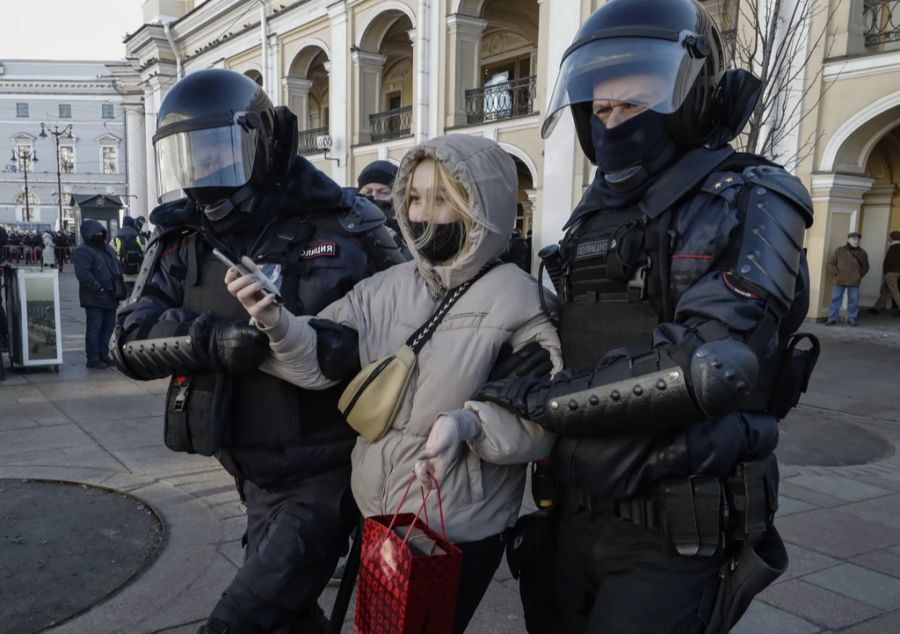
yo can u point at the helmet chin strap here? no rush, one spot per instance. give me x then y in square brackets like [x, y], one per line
[219, 210]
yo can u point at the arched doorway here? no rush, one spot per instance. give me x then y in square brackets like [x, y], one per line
[494, 47]
[255, 75]
[307, 87]
[383, 64]
[880, 212]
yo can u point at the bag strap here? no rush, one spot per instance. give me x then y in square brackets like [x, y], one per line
[422, 510]
[420, 337]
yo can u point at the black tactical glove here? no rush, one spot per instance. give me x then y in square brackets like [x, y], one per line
[531, 361]
[230, 346]
[525, 396]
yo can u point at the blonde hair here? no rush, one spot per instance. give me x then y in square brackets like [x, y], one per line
[443, 185]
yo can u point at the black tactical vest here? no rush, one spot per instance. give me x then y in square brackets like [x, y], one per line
[264, 411]
[604, 303]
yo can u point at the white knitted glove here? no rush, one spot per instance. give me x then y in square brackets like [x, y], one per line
[444, 443]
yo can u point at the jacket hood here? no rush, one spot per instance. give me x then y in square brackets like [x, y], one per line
[89, 228]
[128, 221]
[489, 175]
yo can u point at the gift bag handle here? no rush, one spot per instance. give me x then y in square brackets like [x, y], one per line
[422, 510]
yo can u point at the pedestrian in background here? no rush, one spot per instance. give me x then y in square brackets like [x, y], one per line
[48, 255]
[97, 269]
[890, 284]
[849, 264]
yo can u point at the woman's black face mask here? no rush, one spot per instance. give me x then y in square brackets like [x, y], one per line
[445, 243]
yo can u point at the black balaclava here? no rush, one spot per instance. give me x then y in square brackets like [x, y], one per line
[99, 238]
[632, 152]
[446, 241]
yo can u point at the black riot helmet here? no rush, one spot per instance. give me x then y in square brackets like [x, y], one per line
[665, 55]
[216, 139]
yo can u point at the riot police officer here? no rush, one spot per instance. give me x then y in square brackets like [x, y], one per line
[248, 193]
[682, 281]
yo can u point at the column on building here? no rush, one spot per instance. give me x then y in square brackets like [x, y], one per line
[368, 69]
[297, 91]
[136, 158]
[563, 159]
[152, 99]
[837, 200]
[338, 73]
[876, 225]
[464, 44]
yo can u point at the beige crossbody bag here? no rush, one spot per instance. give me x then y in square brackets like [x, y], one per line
[372, 399]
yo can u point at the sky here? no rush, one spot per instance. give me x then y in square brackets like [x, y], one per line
[67, 29]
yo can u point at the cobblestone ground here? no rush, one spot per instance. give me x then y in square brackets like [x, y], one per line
[841, 522]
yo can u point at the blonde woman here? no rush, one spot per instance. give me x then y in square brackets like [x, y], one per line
[455, 198]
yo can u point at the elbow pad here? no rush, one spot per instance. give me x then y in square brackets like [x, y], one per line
[337, 349]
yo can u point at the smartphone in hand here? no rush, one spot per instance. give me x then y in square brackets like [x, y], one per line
[268, 287]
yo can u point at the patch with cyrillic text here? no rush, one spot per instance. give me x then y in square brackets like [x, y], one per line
[318, 250]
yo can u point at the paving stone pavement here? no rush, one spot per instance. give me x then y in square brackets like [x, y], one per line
[841, 523]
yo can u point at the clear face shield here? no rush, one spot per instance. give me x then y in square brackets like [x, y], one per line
[656, 74]
[209, 157]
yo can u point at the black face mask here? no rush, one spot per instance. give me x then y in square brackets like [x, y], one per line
[635, 141]
[99, 238]
[445, 243]
[386, 206]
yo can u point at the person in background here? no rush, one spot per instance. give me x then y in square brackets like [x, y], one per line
[849, 264]
[890, 289]
[48, 254]
[130, 247]
[96, 267]
[376, 182]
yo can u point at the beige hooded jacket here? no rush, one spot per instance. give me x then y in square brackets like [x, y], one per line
[483, 491]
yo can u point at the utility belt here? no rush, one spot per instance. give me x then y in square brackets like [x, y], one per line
[699, 516]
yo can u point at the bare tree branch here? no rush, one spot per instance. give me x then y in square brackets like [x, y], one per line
[773, 40]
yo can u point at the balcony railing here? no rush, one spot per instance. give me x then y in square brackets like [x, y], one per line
[501, 101]
[882, 20]
[308, 140]
[392, 124]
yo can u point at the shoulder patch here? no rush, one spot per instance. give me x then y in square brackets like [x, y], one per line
[321, 248]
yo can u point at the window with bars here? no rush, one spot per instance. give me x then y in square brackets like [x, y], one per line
[110, 159]
[65, 111]
[22, 110]
[67, 159]
[108, 111]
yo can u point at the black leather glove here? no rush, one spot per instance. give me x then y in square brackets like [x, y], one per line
[531, 361]
[525, 396]
[230, 346]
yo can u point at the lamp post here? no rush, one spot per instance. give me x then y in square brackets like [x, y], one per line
[25, 155]
[56, 132]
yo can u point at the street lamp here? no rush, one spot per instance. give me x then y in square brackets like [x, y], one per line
[56, 132]
[25, 155]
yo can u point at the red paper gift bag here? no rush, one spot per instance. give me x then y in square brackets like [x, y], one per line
[408, 575]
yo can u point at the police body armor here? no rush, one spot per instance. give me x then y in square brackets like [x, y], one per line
[603, 298]
[612, 275]
[210, 411]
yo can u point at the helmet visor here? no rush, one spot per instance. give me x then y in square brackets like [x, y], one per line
[654, 73]
[210, 157]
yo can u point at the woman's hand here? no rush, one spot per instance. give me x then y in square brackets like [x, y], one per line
[249, 292]
[444, 443]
